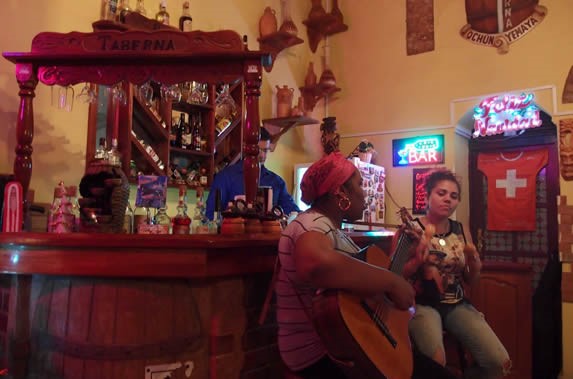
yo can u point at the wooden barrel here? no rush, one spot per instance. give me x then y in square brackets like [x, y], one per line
[115, 329]
[482, 15]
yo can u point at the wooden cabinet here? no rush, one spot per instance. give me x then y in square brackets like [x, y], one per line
[503, 294]
[147, 129]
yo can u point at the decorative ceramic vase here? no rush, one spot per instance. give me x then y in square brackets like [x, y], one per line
[287, 25]
[284, 100]
[327, 79]
[335, 12]
[317, 10]
[310, 79]
[268, 22]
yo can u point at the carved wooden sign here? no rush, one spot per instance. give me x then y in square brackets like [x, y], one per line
[499, 23]
[136, 42]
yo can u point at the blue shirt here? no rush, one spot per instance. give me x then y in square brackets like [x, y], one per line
[231, 183]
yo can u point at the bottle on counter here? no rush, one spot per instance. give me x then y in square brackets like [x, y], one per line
[181, 221]
[200, 222]
[141, 216]
[162, 16]
[163, 220]
[186, 133]
[185, 19]
[128, 220]
[60, 216]
[72, 192]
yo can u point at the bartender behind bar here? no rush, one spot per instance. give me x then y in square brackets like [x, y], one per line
[230, 182]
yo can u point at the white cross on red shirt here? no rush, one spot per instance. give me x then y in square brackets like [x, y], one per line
[510, 183]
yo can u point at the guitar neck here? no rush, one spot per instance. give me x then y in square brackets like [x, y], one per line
[401, 254]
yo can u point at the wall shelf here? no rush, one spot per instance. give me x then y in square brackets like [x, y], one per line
[276, 42]
[311, 95]
[280, 125]
[319, 27]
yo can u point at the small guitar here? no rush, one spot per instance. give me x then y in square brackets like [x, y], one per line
[368, 338]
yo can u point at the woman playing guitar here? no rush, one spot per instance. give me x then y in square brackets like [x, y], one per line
[315, 254]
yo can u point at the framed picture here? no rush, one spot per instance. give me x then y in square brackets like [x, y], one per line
[419, 193]
[151, 191]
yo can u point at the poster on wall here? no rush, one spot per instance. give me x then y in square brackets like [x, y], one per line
[419, 194]
[499, 23]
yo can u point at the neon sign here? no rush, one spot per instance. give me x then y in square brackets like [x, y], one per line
[508, 113]
[418, 151]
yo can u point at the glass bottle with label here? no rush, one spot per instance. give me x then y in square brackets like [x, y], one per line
[101, 151]
[196, 132]
[110, 11]
[185, 19]
[187, 134]
[181, 221]
[141, 216]
[163, 221]
[200, 222]
[128, 220]
[162, 16]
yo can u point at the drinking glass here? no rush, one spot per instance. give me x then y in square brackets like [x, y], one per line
[87, 94]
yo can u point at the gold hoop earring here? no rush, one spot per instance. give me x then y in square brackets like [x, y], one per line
[344, 202]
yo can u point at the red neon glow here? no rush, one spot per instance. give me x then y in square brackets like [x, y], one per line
[499, 114]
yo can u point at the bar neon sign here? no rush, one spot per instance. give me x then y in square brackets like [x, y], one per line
[418, 151]
[508, 113]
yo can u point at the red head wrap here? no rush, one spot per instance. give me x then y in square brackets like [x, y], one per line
[324, 176]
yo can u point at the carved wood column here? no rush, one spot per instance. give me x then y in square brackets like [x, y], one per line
[27, 80]
[251, 168]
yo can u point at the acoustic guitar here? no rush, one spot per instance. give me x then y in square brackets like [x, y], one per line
[368, 338]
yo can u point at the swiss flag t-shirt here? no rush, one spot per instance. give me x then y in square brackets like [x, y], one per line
[511, 188]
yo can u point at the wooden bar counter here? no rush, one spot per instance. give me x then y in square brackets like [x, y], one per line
[129, 306]
[124, 306]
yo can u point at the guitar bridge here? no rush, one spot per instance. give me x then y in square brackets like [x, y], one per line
[379, 323]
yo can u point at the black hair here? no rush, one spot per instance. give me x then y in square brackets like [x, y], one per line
[264, 135]
[437, 176]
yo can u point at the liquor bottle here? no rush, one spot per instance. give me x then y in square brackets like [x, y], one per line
[141, 216]
[185, 19]
[140, 8]
[113, 155]
[162, 16]
[181, 221]
[110, 12]
[123, 10]
[179, 132]
[72, 192]
[196, 132]
[101, 151]
[200, 223]
[163, 220]
[128, 220]
[186, 135]
[173, 135]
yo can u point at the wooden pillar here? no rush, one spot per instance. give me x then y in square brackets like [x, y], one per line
[27, 80]
[251, 168]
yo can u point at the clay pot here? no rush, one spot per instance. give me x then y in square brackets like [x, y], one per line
[327, 79]
[284, 100]
[317, 10]
[310, 79]
[268, 22]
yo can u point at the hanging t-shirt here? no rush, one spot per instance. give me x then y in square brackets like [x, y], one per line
[511, 188]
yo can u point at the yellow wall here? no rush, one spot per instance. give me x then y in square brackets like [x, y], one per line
[60, 137]
[385, 94]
